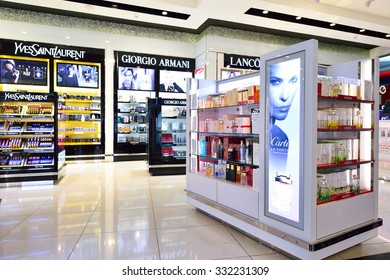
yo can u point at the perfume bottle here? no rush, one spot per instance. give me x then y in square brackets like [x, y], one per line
[358, 120]
[214, 149]
[220, 149]
[355, 184]
[341, 153]
[324, 190]
[333, 119]
[248, 155]
[336, 89]
[242, 152]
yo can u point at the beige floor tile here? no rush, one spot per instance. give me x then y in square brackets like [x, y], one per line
[49, 248]
[120, 220]
[49, 225]
[181, 216]
[130, 245]
[198, 243]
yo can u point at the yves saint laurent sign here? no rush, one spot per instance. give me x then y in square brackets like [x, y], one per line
[25, 96]
[53, 51]
[241, 62]
[159, 62]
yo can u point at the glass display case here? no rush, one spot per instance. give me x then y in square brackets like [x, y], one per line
[131, 125]
[167, 141]
[28, 137]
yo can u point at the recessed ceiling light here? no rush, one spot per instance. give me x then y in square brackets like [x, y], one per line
[114, 5]
[388, 36]
[298, 18]
[24, 32]
[265, 12]
[362, 30]
[164, 13]
[67, 37]
[107, 41]
[333, 24]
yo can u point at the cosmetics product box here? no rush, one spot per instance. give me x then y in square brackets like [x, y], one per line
[243, 124]
[254, 94]
[231, 97]
[231, 172]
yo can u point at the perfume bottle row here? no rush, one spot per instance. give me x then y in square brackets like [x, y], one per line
[337, 152]
[227, 124]
[333, 87]
[237, 149]
[221, 169]
[339, 118]
[337, 183]
[232, 97]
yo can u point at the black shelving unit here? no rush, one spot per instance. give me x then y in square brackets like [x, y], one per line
[28, 137]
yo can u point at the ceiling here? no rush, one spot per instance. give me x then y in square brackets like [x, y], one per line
[196, 15]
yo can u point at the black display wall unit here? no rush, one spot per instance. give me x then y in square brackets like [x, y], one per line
[138, 78]
[77, 75]
[28, 137]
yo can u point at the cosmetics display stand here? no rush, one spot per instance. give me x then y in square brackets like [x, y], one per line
[28, 137]
[288, 178]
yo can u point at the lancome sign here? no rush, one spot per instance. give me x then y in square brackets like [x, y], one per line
[242, 62]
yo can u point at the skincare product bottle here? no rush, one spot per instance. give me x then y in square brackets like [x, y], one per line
[355, 184]
[341, 153]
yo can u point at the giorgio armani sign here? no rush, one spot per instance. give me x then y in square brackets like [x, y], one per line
[154, 61]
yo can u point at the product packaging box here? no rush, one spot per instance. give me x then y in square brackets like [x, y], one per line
[249, 175]
[231, 97]
[243, 124]
[228, 123]
[254, 94]
[231, 172]
[256, 153]
[229, 142]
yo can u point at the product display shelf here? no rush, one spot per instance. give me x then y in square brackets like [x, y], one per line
[291, 209]
[131, 122]
[223, 175]
[28, 138]
[79, 120]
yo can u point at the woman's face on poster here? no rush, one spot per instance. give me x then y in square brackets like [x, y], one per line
[284, 85]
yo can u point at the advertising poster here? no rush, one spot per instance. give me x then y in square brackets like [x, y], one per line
[284, 114]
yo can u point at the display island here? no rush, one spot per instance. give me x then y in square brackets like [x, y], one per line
[292, 162]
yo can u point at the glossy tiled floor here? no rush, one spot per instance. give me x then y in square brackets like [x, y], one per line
[117, 211]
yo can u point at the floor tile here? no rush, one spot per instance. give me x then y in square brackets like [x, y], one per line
[49, 248]
[250, 245]
[130, 245]
[46, 225]
[7, 223]
[120, 220]
[181, 216]
[198, 243]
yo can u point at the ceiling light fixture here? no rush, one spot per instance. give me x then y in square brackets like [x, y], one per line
[362, 30]
[388, 36]
[164, 13]
[298, 18]
[265, 12]
[333, 24]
